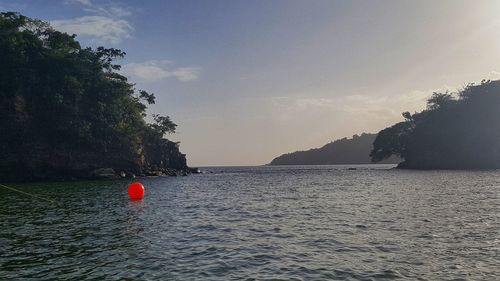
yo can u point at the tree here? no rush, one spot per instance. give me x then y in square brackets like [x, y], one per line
[439, 100]
[149, 98]
[163, 124]
[391, 141]
[64, 107]
[450, 134]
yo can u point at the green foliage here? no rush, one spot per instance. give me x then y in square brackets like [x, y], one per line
[163, 124]
[391, 141]
[452, 133]
[439, 100]
[65, 107]
[149, 98]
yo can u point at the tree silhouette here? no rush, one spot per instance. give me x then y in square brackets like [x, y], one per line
[452, 133]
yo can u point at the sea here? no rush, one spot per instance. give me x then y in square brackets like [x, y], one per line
[355, 222]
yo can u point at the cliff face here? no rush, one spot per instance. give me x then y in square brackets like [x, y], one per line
[164, 155]
[343, 151]
[45, 163]
[66, 111]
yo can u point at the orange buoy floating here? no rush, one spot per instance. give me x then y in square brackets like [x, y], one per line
[136, 191]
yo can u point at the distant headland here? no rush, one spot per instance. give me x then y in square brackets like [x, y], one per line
[355, 150]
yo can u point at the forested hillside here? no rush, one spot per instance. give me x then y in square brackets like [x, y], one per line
[342, 151]
[456, 131]
[66, 111]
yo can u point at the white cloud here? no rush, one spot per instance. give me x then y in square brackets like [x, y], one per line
[186, 73]
[156, 70]
[104, 23]
[362, 107]
[102, 28]
[494, 75]
[81, 2]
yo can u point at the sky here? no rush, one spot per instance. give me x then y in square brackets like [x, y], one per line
[249, 80]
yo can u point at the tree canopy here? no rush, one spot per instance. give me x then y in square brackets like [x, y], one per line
[459, 131]
[64, 106]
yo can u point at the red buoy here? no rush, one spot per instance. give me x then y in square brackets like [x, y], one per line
[136, 191]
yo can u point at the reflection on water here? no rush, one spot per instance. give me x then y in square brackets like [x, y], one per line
[281, 223]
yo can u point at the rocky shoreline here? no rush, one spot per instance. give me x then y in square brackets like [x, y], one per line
[102, 174]
[110, 173]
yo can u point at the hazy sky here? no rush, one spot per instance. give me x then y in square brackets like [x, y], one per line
[249, 80]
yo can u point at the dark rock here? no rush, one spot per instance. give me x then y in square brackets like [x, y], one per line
[154, 173]
[194, 170]
[104, 173]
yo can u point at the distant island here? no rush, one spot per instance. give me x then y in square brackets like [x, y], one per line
[67, 113]
[455, 131]
[343, 151]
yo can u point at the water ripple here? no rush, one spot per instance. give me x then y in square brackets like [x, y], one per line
[264, 223]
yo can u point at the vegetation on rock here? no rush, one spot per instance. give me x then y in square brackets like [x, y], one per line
[459, 131]
[66, 111]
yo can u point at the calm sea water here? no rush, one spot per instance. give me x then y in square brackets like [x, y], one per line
[259, 223]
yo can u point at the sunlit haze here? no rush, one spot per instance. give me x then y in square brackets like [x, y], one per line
[249, 80]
